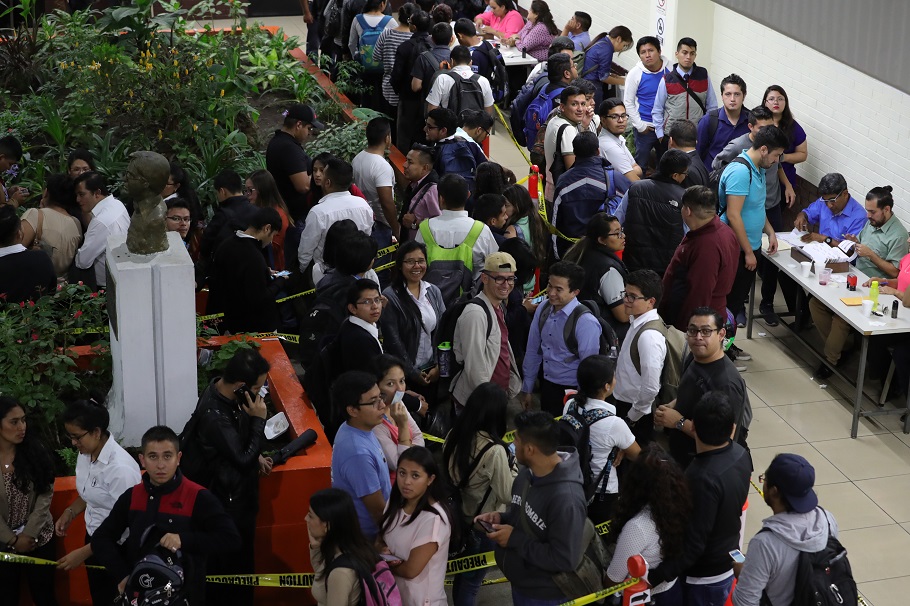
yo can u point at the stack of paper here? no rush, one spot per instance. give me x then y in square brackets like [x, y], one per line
[793, 238]
[822, 253]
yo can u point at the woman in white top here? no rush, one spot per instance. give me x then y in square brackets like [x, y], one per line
[651, 519]
[596, 380]
[104, 470]
[416, 528]
[55, 227]
[398, 430]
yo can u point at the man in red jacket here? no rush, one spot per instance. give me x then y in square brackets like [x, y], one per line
[703, 267]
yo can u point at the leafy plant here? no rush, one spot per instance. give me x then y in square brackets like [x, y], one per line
[219, 359]
[19, 49]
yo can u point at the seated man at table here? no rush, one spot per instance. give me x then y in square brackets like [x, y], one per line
[880, 246]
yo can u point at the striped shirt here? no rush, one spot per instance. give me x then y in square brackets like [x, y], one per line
[389, 41]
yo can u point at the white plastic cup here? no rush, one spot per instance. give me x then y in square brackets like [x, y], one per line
[867, 307]
[824, 276]
[806, 268]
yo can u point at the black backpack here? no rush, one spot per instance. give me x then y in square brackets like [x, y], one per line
[499, 78]
[823, 578]
[608, 338]
[445, 334]
[324, 318]
[465, 94]
[575, 430]
[717, 173]
[461, 529]
[317, 383]
[158, 578]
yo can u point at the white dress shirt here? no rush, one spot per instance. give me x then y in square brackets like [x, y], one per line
[101, 483]
[451, 228]
[109, 218]
[604, 435]
[439, 94]
[640, 390]
[373, 329]
[333, 207]
[12, 250]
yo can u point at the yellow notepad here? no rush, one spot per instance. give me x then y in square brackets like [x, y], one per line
[850, 301]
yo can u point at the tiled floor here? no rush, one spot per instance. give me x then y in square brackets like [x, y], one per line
[864, 482]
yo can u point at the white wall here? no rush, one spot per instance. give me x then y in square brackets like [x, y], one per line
[856, 125]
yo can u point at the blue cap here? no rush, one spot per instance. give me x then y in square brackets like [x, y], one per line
[794, 477]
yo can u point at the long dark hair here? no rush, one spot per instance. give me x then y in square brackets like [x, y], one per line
[434, 492]
[524, 207]
[316, 192]
[335, 507]
[188, 193]
[267, 194]
[62, 194]
[594, 372]
[33, 463]
[485, 411]
[656, 481]
[489, 178]
[598, 227]
[542, 10]
[412, 316]
[786, 118]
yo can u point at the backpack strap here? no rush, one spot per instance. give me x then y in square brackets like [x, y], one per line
[713, 117]
[657, 325]
[424, 229]
[472, 237]
[568, 331]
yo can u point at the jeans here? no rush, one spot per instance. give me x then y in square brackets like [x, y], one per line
[466, 584]
[644, 142]
[313, 35]
[714, 594]
[769, 270]
[519, 599]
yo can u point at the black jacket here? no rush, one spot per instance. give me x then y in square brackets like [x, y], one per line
[27, 275]
[698, 174]
[719, 481]
[358, 348]
[221, 446]
[242, 287]
[232, 214]
[597, 261]
[179, 506]
[654, 225]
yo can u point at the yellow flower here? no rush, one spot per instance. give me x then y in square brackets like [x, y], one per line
[195, 128]
[63, 65]
[131, 93]
[211, 78]
[160, 135]
[216, 121]
[72, 64]
[175, 63]
[222, 92]
[108, 111]
[186, 72]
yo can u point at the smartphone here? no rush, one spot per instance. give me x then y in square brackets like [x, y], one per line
[390, 557]
[282, 274]
[487, 527]
[539, 299]
[243, 390]
[398, 397]
[738, 556]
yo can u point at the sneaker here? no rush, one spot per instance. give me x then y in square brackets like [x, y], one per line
[768, 315]
[823, 372]
[741, 356]
[742, 368]
[741, 319]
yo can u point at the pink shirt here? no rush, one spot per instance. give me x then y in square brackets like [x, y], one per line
[903, 275]
[426, 589]
[509, 25]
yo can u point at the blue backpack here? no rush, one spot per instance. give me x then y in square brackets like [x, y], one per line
[367, 43]
[456, 156]
[537, 112]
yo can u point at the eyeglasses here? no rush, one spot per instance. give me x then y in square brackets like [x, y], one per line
[704, 332]
[774, 99]
[761, 479]
[169, 183]
[413, 262]
[618, 116]
[500, 280]
[832, 200]
[377, 302]
[617, 234]
[77, 439]
[177, 219]
[632, 298]
[378, 403]
[248, 190]
[431, 126]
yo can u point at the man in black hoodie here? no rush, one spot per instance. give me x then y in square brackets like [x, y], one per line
[540, 534]
[719, 481]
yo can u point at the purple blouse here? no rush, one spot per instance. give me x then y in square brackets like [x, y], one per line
[535, 39]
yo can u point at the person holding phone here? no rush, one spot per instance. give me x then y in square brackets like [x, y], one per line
[416, 526]
[398, 430]
[221, 446]
[410, 319]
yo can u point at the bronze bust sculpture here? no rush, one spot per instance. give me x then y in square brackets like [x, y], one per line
[146, 176]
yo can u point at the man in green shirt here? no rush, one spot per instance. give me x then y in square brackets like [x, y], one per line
[880, 246]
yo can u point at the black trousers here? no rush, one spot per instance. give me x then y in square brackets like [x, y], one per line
[742, 283]
[552, 396]
[241, 561]
[40, 579]
[642, 429]
[101, 585]
[769, 270]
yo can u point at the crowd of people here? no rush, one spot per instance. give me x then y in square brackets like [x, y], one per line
[596, 322]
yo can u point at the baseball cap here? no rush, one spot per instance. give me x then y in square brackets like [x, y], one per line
[304, 113]
[500, 262]
[794, 476]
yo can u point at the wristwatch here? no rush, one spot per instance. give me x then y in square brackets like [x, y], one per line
[828, 240]
[680, 423]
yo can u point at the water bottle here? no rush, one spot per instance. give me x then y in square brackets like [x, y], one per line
[445, 359]
[873, 294]
[613, 355]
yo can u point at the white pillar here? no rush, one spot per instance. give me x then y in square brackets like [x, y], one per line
[674, 19]
[151, 303]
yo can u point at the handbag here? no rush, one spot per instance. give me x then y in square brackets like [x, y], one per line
[37, 243]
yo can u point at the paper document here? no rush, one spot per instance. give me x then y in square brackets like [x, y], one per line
[792, 238]
[822, 253]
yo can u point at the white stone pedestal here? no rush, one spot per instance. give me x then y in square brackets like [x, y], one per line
[151, 302]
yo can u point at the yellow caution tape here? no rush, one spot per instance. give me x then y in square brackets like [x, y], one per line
[449, 581]
[757, 489]
[603, 528]
[512, 135]
[384, 267]
[300, 294]
[432, 438]
[96, 330]
[264, 580]
[384, 251]
[599, 595]
[209, 317]
[15, 558]
[471, 562]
